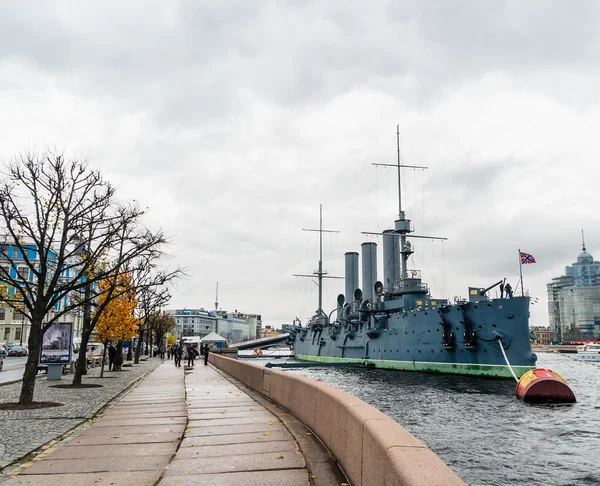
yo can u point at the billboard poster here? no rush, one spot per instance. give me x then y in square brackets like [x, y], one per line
[56, 343]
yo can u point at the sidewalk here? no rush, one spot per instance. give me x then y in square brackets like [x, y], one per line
[24, 431]
[224, 435]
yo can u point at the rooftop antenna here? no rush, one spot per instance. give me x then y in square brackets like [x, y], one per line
[319, 273]
[217, 298]
[583, 240]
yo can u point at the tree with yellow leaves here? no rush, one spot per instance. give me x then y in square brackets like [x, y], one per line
[116, 322]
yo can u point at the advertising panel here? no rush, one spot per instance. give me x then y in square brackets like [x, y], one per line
[56, 343]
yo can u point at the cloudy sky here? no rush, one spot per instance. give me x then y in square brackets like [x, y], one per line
[232, 121]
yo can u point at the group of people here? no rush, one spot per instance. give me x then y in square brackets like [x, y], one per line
[189, 351]
[505, 288]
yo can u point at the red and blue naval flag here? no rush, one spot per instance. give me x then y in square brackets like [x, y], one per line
[526, 258]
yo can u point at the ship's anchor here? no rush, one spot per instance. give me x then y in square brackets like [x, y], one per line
[447, 334]
[469, 337]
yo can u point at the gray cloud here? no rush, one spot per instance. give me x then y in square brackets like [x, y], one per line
[233, 121]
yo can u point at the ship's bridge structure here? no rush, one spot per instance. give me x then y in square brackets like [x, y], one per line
[574, 301]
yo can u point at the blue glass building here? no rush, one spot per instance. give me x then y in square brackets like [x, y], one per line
[574, 301]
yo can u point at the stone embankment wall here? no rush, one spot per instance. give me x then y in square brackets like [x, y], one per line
[370, 447]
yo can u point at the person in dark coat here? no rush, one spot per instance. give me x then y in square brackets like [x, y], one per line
[205, 354]
[508, 290]
[191, 354]
[112, 354]
[178, 354]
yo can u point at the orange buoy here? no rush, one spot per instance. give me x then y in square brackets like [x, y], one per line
[544, 385]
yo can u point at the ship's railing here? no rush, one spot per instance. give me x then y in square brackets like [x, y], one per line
[410, 284]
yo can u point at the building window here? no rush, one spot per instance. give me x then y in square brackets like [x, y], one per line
[2, 314]
[23, 273]
[18, 333]
[15, 253]
[17, 316]
[6, 333]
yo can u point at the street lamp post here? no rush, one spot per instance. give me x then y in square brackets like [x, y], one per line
[22, 330]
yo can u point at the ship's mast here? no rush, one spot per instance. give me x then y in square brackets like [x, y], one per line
[402, 225]
[320, 274]
[399, 181]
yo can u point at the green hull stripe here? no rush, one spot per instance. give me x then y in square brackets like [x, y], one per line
[492, 371]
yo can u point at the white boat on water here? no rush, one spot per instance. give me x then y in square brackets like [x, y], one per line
[266, 353]
[589, 352]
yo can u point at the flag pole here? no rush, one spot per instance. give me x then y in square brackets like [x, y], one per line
[521, 274]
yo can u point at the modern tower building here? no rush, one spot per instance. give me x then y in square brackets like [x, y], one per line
[574, 301]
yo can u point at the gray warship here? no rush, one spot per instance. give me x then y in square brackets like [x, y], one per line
[397, 324]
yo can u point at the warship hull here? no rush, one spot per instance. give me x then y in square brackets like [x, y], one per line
[429, 340]
[397, 324]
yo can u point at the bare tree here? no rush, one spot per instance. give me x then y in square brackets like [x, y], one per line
[161, 323]
[150, 300]
[63, 231]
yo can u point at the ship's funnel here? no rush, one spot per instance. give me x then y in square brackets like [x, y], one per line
[391, 258]
[369, 268]
[351, 275]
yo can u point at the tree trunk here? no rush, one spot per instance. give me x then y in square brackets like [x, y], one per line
[81, 368]
[138, 348]
[118, 362]
[103, 359]
[34, 345]
[81, 365]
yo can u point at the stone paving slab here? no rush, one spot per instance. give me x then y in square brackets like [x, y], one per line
[50, 465]
[229, 414]
[137, 422]
[283, 477]
[236, 449]
[134, 438]
[130, 429]
[115, 450]
[247, 462]
[232, 429]
[225, 409]
[145, 478]
[265, 418]
[246, 438]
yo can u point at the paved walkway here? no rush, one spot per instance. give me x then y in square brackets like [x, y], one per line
[224, 435]
[24, 431]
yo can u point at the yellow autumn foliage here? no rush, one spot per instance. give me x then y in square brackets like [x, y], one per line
[117, 322]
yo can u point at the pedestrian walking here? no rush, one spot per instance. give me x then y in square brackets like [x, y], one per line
[169, 352]
[191, 353]
[177, 354]
[205, 354]
[162, 352]
[112, 354]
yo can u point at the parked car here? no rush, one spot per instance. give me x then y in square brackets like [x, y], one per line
[17, 351]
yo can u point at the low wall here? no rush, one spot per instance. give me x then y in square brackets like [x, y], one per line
[371, 448]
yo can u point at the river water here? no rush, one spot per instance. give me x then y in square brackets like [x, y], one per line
[479, 428]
